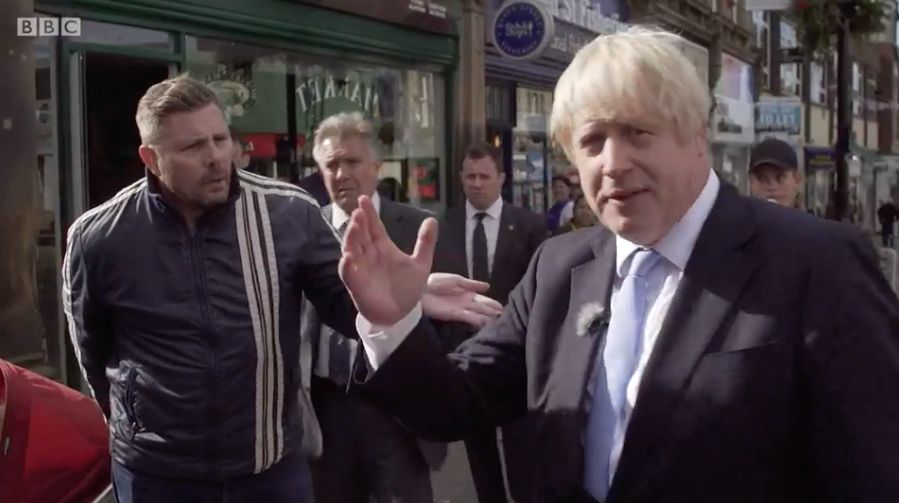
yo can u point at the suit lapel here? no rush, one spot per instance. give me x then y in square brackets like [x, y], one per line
[504, 239]
[455, 220]
[588, 314]
[390, 216]
[717, 273]
[326, 212]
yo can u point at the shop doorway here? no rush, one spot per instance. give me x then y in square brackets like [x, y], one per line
[113, 84]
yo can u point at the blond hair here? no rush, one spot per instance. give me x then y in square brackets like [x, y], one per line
[171, 96]
[638, 73]
[342, 126]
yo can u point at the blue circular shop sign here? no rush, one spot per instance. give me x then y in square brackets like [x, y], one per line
[522, 29]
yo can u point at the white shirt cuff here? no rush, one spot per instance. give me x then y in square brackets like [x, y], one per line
[380, 342]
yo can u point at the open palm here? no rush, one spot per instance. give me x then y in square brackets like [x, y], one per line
[384, 282]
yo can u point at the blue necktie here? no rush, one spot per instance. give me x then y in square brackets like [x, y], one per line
[615, 367]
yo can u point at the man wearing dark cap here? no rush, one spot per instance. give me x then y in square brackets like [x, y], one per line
[774, 172]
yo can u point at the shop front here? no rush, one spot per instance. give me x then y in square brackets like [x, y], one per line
[520, 90]
[820, 180]
[733, 123]
[279, 68]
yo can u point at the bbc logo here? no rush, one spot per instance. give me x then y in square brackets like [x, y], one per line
[48, 27]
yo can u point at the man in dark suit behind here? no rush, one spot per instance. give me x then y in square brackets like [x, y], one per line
[489, 240]
[699, 346]
[367, 455]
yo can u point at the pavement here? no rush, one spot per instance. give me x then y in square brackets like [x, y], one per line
[453, 483]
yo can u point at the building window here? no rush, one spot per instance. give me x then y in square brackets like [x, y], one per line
[531, 169]
[818, 89]
[498, 100]
[266, 91]
[760, 23]
[790, 73]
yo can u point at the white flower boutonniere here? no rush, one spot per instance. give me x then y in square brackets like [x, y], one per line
[589, 318]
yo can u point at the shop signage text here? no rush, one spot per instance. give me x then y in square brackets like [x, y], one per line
[587, 14]
[569, 42]
[316, 90]
[781, 117]
[820, 158]
[522, 29]
[436, 16]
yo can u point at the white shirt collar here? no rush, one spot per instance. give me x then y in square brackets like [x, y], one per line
[677, 245]
[338, 216]
[494, 211]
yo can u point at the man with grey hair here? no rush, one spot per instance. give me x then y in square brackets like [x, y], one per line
[367, 455]
[699, 346]
[182, 295]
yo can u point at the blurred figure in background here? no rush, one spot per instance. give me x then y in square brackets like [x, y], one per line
[560, 213]
[583, 217]
[887, 214]
[774, 172]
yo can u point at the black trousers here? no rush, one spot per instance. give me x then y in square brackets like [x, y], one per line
[367, 455]
[886, 236]
[286, 482]
[518, 453]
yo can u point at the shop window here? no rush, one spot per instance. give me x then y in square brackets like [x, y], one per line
[533, 164]
[275, 100]
[498, 109]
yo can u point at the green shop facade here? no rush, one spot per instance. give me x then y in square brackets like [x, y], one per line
[279, 68]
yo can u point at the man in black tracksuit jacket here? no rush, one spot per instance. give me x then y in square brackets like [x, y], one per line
[182, 295]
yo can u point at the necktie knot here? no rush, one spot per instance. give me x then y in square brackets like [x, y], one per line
[343, 226]
[480, 215]
[642, 262]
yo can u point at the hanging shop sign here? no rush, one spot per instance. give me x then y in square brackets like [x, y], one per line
[522, 29]
[777, 117]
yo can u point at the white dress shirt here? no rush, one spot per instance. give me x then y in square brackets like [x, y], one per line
[491, 228]
[675, 248]
[338, 216]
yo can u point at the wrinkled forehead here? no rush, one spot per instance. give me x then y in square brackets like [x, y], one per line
[200, 122]
[482, 166]
[345, 146]
[638, 106]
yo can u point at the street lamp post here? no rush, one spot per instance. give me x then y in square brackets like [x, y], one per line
[844, 111]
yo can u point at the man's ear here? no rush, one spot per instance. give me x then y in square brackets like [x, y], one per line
[149, 158]
[701, 142]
